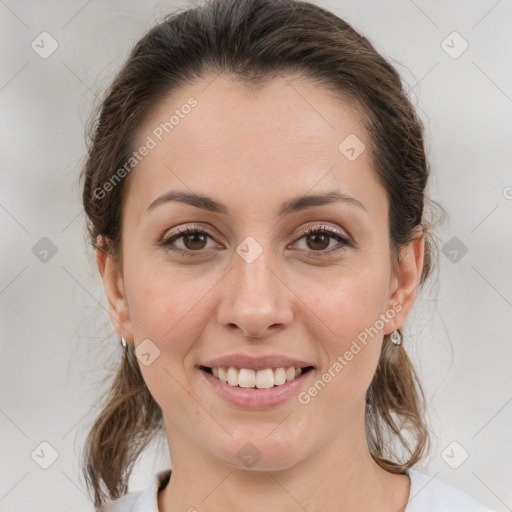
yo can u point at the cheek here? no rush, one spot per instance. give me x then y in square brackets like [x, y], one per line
[171, 308]
[168, 306]
[352, 303]
[350, 312]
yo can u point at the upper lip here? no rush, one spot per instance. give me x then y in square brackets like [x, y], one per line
[255, 362]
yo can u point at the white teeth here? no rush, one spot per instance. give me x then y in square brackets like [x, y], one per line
[279, 376]
[233, 376]
[223, 375]
[246, 378]
[264, 378]
[261, 379]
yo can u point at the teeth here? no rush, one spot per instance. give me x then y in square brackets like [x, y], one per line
[247, 378]
[223, 374]
[232, 376]
[280, 376]
[261, 379]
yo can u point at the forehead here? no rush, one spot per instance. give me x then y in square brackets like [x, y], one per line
[226, 111]
[222, 137]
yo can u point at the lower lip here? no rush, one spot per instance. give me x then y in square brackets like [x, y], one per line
[254, 398]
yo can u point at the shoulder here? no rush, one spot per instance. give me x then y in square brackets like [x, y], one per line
[430, 495]
[123, 504]
[145, 500]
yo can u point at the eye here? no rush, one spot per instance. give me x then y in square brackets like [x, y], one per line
[318, 239]
[194, 240]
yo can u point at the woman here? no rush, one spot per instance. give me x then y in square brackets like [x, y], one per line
[255, 190]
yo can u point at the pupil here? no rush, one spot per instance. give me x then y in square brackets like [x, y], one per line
[192, 236]
[315, 236]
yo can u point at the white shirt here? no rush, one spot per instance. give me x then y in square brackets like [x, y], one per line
[426, 495]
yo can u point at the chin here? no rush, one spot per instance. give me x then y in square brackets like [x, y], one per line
[261, 452]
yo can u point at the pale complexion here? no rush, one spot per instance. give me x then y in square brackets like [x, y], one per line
[252, 151]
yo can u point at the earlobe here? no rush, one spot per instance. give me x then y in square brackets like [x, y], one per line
[113, 283]
[407, 280]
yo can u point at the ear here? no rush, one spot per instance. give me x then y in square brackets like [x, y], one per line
[406, 280]
[113, 283]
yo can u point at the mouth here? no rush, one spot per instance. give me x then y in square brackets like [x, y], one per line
[257, 379]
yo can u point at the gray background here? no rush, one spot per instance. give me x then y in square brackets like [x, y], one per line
[54, 354]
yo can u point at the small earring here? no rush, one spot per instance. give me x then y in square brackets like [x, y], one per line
[123, 341]
[396, 337]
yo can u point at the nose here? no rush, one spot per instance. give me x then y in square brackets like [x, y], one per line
[255, 299]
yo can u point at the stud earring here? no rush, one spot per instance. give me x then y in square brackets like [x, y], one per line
[123, 341]
[396, 337]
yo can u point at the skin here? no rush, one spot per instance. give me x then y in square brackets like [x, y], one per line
[252, 150]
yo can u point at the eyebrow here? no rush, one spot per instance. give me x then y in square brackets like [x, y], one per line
[291, 206]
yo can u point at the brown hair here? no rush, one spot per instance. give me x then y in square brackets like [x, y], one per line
[256, 40]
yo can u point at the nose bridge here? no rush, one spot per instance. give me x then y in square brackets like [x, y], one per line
[255, 299]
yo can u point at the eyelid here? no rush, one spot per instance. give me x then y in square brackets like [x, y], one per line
[343, 240]
[323, 228]
[184, 230]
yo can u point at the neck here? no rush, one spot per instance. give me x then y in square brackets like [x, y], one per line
[339, 476]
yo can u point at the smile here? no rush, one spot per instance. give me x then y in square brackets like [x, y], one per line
[260, 379]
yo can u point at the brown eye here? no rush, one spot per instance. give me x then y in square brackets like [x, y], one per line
[193, 240]
[317, 239]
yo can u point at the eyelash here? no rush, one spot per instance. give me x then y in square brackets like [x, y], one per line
[310, 230]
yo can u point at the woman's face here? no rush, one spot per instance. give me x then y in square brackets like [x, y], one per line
[253, 283]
